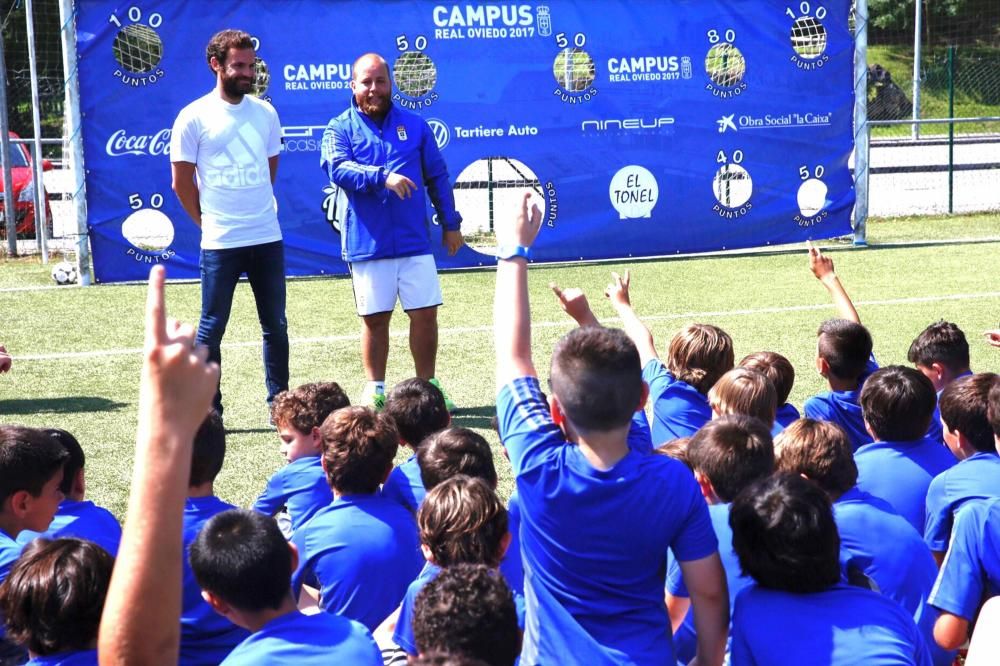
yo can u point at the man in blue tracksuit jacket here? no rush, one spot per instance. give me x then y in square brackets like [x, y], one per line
[382, 157]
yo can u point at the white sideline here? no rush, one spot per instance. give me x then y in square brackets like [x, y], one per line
[562, 323]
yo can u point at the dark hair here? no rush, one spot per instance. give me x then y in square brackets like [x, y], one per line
[993, 413]
[209, 450]
[745, 391]
[897, 403]
[218, 47]
[75, 460]
[418, 408]
[785, 536]
[819, 449]
[307, 406]
[964, 406]
[941, 342]
[676, 449]
[463, 521]
[731, 451]
[775, 367]
[444, 659]
[358, 448]
[54, 595]
[597, 378]
[468, 609]
[241, 557]
[699, 354]
[845, 346]
[29, 458]
[455, 451]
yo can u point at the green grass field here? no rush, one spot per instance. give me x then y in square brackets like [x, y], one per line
[77, 354]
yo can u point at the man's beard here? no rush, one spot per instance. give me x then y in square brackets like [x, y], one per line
[237, 86]
[374, 107]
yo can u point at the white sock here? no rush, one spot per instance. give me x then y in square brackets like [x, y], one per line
[374, 388]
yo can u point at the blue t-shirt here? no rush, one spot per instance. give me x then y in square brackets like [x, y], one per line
[206, 636]
[678, 408]
[82, 520]
[901, 472]
[786, 415]
[844, 409]
[403, 636]
[362, 552]
[405, 486]
[594, 542]
[685, 639]
[511, 566]
[300, 486]
[79, 658]
[892, 554]
[840, 626]
[976, 477]
[970, 572]
[10, 550]
[307, 640]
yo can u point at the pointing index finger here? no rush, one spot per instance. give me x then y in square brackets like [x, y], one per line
[156, 315]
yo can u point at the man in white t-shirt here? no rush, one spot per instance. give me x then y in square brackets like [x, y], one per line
[230, 140]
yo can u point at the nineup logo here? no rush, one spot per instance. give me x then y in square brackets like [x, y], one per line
[121, 143]
[442, 135]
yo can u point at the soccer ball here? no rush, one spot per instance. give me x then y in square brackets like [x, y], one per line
[64, 273]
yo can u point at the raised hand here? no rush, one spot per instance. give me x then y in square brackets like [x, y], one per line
[178, 382]
[574, 303]
[617, 291]
[820, 265]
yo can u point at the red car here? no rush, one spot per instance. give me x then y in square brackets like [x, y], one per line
[22, 181]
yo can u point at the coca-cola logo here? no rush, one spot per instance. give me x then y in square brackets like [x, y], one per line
[120, 143]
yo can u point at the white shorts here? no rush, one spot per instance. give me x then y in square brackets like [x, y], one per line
[378, 282]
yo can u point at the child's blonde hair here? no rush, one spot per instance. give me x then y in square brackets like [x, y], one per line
[699, 354]
[745, 391]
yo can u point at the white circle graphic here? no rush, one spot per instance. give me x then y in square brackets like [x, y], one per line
[812, 197]
[634, 192]
[148, 229]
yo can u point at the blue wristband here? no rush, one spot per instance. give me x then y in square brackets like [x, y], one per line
[512, 251]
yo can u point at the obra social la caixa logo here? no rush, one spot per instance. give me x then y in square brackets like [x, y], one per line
[122, 143]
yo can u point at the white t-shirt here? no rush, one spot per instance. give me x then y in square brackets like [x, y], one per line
[230, 145]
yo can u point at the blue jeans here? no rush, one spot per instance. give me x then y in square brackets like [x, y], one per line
[264, 266]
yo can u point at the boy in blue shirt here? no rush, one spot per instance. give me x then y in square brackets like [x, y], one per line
[781, 372]
[243, 565]
[361, 551]
[970, 571]
[456, 451]
[747, 392]
[419, 410]
[597, 518]
[31, 473]
[877, 539]
[53, 598]
[941, 353]
[462, 521]
[726, 456]
[799, 611]
[467, 612]
[899, 465]
[697, 356]
[843, 357]
[77, 517]
[300, 487]
[967, 433]
[206, 637]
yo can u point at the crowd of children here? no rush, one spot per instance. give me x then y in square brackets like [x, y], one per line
[725, 528]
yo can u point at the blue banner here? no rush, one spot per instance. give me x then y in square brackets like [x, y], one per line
[649, 127]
